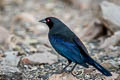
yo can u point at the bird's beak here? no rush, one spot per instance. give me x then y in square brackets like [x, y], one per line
[43, 21]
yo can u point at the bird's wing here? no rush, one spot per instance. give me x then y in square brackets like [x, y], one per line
[81, 46]
[89, 60]
[67, 49]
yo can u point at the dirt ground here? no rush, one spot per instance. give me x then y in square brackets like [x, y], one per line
[22, 36]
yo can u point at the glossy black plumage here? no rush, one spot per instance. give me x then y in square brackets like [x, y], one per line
[67, 44]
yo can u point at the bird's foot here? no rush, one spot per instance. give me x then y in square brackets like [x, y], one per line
[70, 72]
[73, 74]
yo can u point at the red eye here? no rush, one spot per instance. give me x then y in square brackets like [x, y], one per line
[48, 20]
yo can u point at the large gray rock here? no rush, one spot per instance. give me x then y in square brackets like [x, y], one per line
[40, 58]
[108, 13]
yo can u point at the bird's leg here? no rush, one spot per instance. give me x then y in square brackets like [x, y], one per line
[69, 62]
[64, 69]
[73, 69]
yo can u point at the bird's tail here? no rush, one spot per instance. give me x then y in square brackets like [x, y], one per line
[99, 67]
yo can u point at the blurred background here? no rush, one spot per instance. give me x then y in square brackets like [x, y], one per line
[26, 54]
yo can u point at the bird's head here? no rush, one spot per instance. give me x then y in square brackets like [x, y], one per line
[50, 21]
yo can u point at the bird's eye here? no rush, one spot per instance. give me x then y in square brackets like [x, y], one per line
[48, 20]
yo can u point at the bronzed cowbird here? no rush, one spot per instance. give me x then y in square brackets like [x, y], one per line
[67, 44]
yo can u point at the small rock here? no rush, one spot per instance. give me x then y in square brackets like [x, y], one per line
[10, 62]
[38, 29]
[6, 2]
[50, 6]
[82, 4]
[92, 31]
[67, 16]
[111, 41]
[9, 69]
[40, 58]
[118, 61]
[114, 54]
[110, 65]
[88, 71]
[85, 4]
[25, 61]
[4, 35]
[115, 63]
[113, 77]
[11, 59]
[33, 68]
[118, 78]
[43, 48]
[1, 56]
[63, 76]
[23, 21]
[25, 17]
[44, 40]
[12, 41]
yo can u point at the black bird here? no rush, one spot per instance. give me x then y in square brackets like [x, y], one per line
[67, 44]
